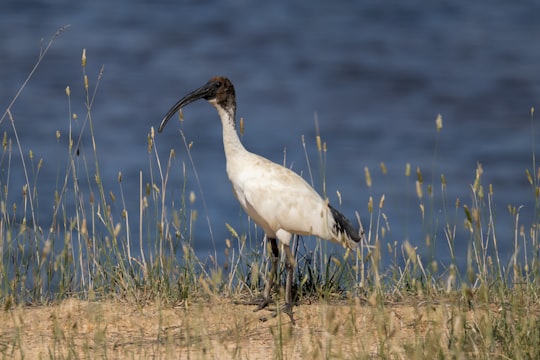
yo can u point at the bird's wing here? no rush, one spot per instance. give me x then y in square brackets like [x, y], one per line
[278, 198]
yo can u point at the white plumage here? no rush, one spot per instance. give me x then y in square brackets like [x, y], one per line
[280, 201]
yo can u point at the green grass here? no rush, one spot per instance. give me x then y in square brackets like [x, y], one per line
[87, 250]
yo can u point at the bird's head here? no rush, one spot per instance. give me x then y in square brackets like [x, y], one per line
[219, 91]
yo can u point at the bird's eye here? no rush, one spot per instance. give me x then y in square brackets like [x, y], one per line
[218, 84]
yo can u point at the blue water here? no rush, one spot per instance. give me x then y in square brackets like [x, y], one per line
[375, 75]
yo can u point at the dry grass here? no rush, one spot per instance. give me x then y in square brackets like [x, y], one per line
[221, 329]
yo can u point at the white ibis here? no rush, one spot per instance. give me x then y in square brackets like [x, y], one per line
[280, 201]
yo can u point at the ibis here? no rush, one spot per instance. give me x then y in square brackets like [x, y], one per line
[280, 201]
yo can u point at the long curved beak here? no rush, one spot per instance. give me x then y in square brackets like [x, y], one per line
[204, 92]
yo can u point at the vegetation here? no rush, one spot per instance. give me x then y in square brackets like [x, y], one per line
[352, 305]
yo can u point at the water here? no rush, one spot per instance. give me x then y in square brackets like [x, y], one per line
[374, 75]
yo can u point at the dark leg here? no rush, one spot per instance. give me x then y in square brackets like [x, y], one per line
[267, 295]
[287, 309]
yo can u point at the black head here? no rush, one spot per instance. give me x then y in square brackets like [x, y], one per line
[219, 91]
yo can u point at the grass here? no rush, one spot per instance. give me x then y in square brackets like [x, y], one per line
[86, 276]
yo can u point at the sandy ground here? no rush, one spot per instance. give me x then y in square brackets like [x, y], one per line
[222, 329]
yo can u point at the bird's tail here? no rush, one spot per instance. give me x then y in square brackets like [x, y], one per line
[345, 232]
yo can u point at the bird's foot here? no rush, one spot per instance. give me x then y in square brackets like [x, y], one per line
[264, 302]
[261, 302]
[286, 309]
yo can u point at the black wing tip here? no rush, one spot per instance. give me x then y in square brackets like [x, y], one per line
[343, 225]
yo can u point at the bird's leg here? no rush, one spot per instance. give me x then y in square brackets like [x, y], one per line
[290, 263]
[274, 270]
[272, 276]
[287, 308]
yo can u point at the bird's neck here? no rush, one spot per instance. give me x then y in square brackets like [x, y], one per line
[231, 141]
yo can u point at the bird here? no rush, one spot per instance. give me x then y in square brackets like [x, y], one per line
[276, 198]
